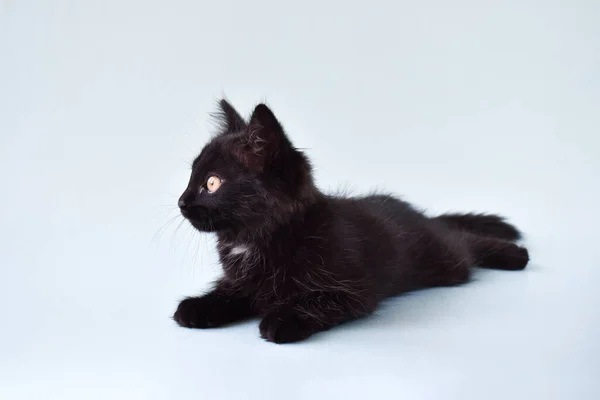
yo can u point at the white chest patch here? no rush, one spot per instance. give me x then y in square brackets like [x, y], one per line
[237, 250]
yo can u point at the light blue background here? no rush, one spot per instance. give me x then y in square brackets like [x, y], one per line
[462, 105]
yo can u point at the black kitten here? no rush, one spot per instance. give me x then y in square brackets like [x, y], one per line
[305, 261]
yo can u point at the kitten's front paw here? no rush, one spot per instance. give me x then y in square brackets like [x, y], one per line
[285, 326]
[195, 312]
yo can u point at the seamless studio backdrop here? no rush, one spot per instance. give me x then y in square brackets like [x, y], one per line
[456, 106]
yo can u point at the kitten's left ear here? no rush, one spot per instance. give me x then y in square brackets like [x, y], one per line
[264, 139]
[264, 126]
[229, 119]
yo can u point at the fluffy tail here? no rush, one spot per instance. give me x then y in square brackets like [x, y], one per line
[486, 225]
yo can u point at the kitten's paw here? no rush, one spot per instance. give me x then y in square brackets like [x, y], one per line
[518, 257]
[285, 326]
[195, 312]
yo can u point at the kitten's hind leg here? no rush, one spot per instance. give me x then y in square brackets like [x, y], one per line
[497, 254]
[221, 306]
[310, 313]
[440, 262]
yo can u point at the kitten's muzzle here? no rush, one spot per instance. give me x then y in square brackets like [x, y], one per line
[185, 206]
[190, 209]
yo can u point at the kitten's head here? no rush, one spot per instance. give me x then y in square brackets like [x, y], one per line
[248, 176]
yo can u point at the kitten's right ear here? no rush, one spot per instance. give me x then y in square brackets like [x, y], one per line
[229, 119]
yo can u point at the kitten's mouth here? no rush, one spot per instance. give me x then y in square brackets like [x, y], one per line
[189, 215]
[202, 223]
[186, 213]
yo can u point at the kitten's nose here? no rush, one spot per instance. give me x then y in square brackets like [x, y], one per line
[182, 203]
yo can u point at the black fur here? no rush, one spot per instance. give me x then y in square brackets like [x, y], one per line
[304, 261]
[482, 224]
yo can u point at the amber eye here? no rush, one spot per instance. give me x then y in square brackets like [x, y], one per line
[213, 183]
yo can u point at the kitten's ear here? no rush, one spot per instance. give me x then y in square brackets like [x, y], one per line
[264, 125]
[264, 139]
[229, 119]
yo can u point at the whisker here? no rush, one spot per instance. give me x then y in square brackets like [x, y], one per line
[175, 233]
[163, 228]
